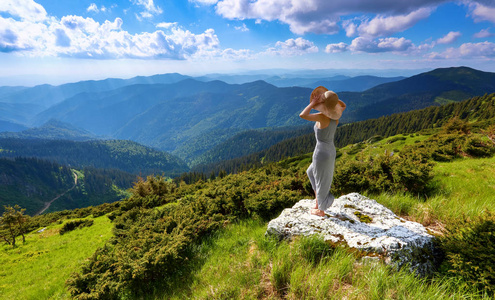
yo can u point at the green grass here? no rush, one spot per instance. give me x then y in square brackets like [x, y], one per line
[464, 188]
[38, 269]
[390, 144]
[239, 262]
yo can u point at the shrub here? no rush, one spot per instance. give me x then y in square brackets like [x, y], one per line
[476, 147]
[456, 125]
[149, 248]
[469, 248]
[71, 225]
[395, 139]
[409, 172]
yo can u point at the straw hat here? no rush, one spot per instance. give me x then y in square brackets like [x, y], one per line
[332, 106]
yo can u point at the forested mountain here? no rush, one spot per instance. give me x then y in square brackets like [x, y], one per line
[32, 182]
[127, 156]
[250, 141]
[480, 111]
[46, 95]
[52, 130]
[190, 117]
[176, 117]
[170, 116]
[7, 126]
[440, 86]
[16, 100]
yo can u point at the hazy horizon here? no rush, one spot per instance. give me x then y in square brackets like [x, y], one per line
[49, 41]
[34, 80]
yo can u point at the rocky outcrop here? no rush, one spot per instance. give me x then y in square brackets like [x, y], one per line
[363, 224]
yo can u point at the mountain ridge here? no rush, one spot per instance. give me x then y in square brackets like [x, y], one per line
[176, 116]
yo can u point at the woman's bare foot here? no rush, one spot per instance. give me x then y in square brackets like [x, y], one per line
[318, 212]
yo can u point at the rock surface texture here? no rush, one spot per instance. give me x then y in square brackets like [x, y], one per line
[364, 224]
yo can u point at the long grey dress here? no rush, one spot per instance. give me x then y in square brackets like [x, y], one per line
[320, 172]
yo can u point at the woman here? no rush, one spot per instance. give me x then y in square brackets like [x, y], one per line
[320, 172]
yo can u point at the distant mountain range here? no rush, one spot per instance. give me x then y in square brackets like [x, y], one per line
[190, 117]
[336, 83]
[52, 130]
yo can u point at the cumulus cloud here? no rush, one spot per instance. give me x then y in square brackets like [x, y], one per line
[292, 47]
[484, 33]
[167, 25]
[93, 7]
[150, 8]
[336, 48]
[350, 28]
[449, 38]
[481, 12]
[383, 26]
[468, 50]
[75, 36]
[363, 44]
[322, 16]
[25, 9]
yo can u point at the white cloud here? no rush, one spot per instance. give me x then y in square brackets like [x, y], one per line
[205, 2]
[292, 47]
[383, 26]
[336, 48]
[363, 44]
[322, 16]
[481, 12]
[27, 10]
[242, 28]
[350, 28]
[449, 38]
[231, 54]
[75, 36]
[167, 25]
[468, 50]
[484, 33]
[150, 8]
[93, 7]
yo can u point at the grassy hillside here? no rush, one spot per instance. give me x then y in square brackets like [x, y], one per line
[211, 235]
[39, 268]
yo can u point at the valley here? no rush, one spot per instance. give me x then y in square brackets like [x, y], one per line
[164, 182]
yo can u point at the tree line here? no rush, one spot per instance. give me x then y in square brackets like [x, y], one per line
[480, 110]
[30, 182]
[112, 154]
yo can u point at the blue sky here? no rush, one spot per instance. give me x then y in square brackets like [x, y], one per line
[56, 41]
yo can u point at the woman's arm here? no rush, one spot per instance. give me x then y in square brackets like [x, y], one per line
[307, 115]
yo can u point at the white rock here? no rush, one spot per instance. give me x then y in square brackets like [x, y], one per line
[398, 241]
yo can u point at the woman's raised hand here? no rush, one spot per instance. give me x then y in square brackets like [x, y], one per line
[317, 100]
